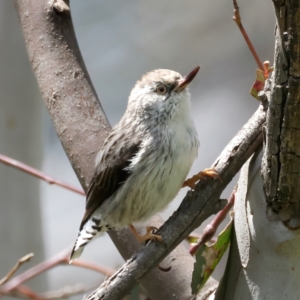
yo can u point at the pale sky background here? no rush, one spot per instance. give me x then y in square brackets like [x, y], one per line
[122, 40]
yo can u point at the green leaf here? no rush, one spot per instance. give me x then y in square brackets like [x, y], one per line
[208, 257]
[192, 239]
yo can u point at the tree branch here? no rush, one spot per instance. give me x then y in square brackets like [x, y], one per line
[36, 173]
[80, 121]
[212, 227]
[20, 262]
[194, 209]
[62, 258]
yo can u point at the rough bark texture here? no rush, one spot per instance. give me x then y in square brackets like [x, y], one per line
[264, 255]
[194, 209]
[281, 158]
[80, 121]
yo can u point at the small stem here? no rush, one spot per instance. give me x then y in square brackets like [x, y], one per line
[88, 265]
[29, 293]
[20, 262]
[211, 228]
[237, 19]
[59, 259]
[36, 173]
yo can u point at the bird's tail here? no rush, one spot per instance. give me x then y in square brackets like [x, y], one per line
[76, 252]
[88, 232]
[78, 248]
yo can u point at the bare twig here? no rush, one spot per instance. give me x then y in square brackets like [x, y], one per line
[237, 19]
[212, 227]
[22, 292]
[195, 208]
[92, 266]
[36, 173]
[26, 293]
[20, 262]
[59, 259]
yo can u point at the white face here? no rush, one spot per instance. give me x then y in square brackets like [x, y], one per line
[158, 96]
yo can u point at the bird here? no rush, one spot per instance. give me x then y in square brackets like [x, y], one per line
[144, 160]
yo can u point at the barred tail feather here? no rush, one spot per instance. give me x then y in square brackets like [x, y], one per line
[76, 252]
[90, 230]
[82, 240]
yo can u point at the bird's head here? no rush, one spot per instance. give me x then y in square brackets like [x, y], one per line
[161, 93]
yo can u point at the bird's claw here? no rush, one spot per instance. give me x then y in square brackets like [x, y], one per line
[191, 182]
[148, 236]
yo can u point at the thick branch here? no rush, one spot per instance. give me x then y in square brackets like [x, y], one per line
[195, 208]
[80, 121]
[65, 85]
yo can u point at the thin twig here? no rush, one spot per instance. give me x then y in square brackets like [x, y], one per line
[36, 173]
[212, 227]
[59, 259]
[27, 293]
[237, 19]
[92, 266]
[23, 292]
[20, 262]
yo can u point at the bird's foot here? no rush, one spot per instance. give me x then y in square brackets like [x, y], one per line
[148, 236]
[191, 182]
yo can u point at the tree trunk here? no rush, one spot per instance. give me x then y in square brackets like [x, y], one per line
[264, 257]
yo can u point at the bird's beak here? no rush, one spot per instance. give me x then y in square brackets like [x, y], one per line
[186, 80]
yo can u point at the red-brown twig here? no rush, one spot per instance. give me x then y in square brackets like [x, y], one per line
[211, 228]
[36, 173]
[20, 262]
[237, 19]
[25, 292]
[59, 259]
[88, 265]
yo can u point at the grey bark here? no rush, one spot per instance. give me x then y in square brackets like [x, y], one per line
[21, 138]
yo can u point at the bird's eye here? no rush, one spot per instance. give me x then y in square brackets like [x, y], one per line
[161, 90]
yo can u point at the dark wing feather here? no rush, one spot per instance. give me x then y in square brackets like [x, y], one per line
[108, 181]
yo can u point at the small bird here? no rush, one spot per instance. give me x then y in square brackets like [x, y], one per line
[144, 160]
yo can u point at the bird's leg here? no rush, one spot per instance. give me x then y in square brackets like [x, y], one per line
[191, 182]
[148, 236]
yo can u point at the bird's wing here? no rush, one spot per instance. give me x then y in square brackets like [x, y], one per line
[109, 179]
